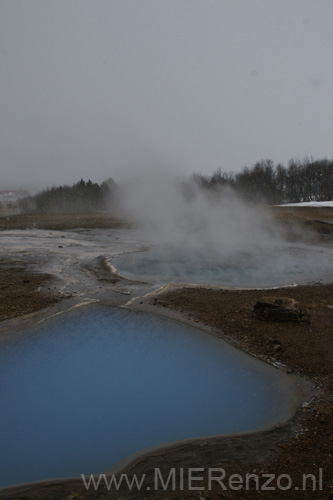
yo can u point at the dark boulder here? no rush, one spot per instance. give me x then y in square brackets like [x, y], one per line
[277, 309]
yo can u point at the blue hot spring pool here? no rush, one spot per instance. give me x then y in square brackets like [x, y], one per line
[88, 388]
[256, 267]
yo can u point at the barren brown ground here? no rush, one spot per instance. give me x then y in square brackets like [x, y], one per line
[20, 289]
[317, 221]
[304, 446]
[59, 221]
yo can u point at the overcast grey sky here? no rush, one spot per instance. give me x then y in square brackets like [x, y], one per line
[98, 88]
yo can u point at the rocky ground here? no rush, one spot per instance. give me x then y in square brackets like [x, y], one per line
[20, 289]
[303, 446]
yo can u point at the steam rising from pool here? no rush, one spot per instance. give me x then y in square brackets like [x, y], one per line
[170, 211]
[213, 236]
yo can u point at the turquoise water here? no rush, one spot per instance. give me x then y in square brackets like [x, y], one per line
[90, 387]
[278, 266]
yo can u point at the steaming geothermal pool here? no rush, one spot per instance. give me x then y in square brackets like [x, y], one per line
[256, 267]
[88, 388]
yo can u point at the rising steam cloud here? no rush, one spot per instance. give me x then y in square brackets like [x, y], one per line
[171, 211]
[212, 236]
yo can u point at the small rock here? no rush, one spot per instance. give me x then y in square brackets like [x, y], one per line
[276, 345]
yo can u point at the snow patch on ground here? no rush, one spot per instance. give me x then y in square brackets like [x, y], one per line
[309, 204]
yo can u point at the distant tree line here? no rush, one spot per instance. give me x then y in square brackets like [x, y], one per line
[81, 197]
[300, 181]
